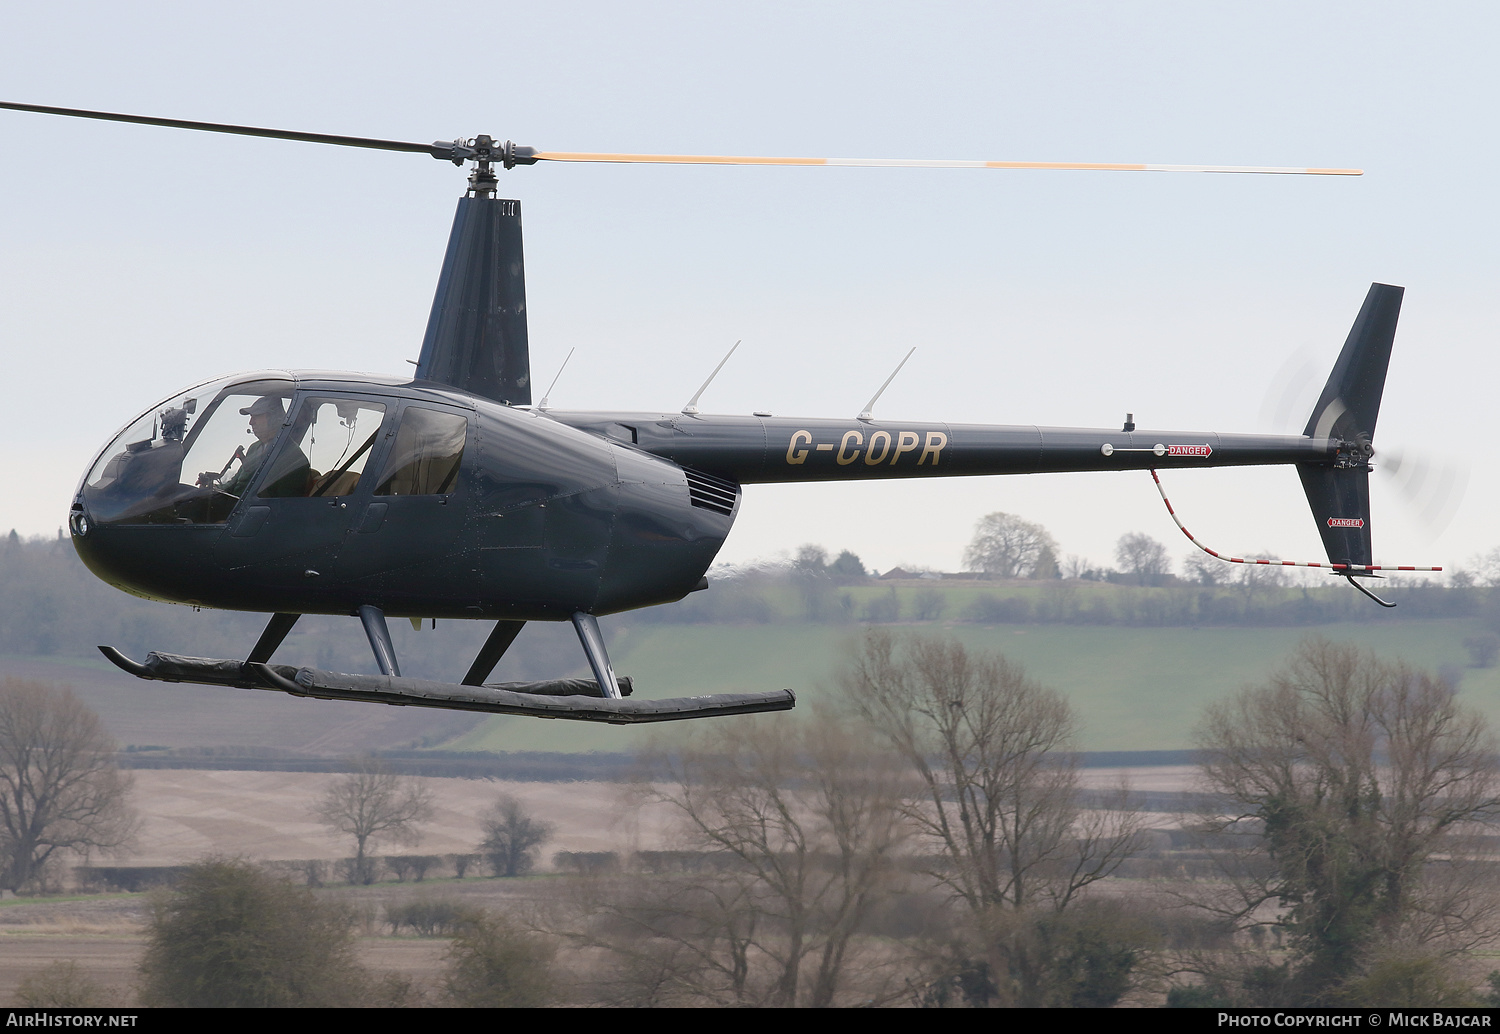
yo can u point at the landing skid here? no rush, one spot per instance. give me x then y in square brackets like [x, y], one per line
[577, 699]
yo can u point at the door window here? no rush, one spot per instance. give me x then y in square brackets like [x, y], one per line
[425, 458]
[327, 448]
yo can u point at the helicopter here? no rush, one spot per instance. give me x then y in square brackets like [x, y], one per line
[449, 494]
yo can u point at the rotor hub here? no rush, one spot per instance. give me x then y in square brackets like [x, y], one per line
[1354, 454]
[485, 152]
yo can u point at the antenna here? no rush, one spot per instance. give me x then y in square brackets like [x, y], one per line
[542, 406]
[868, 413]
[691, 409]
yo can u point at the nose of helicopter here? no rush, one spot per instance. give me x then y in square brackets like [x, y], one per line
[149, 507]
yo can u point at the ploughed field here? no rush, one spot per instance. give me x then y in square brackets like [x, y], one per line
[265, 816]
[187, 814]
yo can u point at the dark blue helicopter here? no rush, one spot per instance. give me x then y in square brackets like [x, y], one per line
[449, 495]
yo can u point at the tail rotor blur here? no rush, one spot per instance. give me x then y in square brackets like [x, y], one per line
[1430, 489]
[1433, 489]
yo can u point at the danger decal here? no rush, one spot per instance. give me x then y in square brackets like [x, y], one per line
[1190, 450]
[1346, 522]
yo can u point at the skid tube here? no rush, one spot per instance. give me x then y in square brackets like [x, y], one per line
[575, 699]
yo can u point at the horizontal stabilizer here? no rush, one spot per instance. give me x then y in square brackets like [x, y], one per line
[537, 699]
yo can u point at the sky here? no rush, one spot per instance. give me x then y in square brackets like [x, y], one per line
[135, 261]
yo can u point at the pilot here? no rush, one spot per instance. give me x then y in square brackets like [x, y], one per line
[290, 474]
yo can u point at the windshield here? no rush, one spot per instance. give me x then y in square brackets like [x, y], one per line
[188, 460]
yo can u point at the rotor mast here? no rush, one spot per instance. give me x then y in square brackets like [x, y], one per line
[482, 178]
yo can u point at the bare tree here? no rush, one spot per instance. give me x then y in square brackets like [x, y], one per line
[512, 837]
[1074, 566]
[795, 830]
[678, 938]
[993, 753]
[1199, 567]
[373, 803]
[1346, 791]
[1252, 578]
[1484, 569]
[59, 788]
[811, 557]
[1142, 558]
[997, 790]
[1006, 546]
[814, 581]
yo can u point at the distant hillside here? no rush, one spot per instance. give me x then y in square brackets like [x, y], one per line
[1135, 688]
[1138, 662]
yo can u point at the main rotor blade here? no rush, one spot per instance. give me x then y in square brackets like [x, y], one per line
[459, 151]
[435, 150]
[922, 163]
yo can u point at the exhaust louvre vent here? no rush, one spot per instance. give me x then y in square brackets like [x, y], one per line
[711, 493]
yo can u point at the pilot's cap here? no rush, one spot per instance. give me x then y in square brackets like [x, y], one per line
[266, 405]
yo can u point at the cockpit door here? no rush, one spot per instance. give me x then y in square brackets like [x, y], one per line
[413, 540]
[300, 500]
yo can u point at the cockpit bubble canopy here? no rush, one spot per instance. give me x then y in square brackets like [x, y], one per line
[187, 460]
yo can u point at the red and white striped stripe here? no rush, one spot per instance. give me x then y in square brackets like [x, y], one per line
[1342, 568]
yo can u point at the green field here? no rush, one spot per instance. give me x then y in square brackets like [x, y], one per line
[1135, 688]
[1138, 663]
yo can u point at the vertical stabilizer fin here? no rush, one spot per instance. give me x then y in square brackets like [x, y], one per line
[1339, 492]
[1340, 501]
[476, 335]
[1350, 402]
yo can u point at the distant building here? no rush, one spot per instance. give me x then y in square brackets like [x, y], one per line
[901, 573]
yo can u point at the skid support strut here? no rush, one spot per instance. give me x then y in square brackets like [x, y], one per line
[593, 645]
[503, 634]
[276, 630]
[373, 618]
